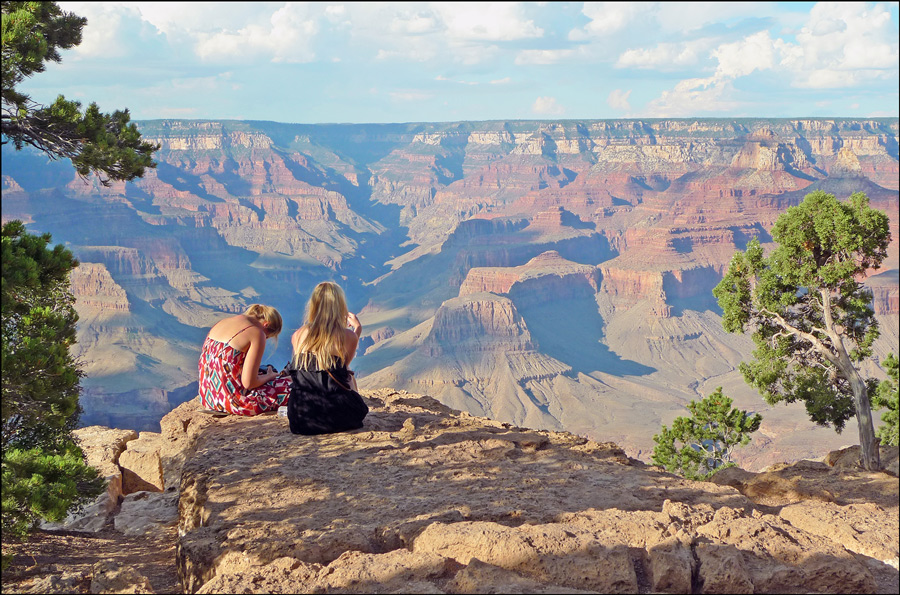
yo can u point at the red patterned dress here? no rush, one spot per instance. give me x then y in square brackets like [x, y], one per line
[220, 382]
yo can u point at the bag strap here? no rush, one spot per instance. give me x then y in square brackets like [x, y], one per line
[339, 383]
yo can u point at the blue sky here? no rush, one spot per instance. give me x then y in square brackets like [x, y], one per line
[436, 62]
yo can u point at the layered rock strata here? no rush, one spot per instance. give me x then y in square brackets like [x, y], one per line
[409, 217]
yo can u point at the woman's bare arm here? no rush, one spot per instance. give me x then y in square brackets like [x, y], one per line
[250, 376]
[352, 338]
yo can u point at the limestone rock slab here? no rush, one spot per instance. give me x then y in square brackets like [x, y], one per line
[144, 512]
[102, 448]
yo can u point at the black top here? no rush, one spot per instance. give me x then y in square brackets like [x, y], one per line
[322, 401]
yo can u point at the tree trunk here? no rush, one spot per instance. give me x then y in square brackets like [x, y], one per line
[869, 456]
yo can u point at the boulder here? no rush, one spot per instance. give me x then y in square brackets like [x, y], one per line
[114, 577]
[102, 448]
[142, 465]
[480, 577]
[549, 554]
[722, 569]
[67, 582]
[144, 512]
[670, 564]
[848, 458]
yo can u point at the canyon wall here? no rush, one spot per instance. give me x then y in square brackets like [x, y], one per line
[555, 274]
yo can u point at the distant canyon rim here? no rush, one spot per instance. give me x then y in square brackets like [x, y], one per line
[550, 274]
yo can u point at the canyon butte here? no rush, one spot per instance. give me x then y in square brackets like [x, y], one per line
[553, 275]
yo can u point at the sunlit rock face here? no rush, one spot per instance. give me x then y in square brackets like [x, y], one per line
[554, 273]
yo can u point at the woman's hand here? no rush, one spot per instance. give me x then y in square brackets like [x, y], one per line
[354, 323]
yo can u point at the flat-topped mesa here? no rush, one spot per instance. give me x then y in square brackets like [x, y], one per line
[548, 274]
[477, 322]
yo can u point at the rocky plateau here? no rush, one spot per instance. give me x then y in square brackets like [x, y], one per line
[426, 499]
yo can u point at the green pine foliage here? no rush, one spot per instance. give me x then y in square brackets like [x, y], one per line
[810, 318]
[40, 378]
[886, 397]
[44, 473]
[33, 34]
[698, 446]
[41, 483]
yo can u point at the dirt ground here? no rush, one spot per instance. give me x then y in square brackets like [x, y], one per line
[48, 553]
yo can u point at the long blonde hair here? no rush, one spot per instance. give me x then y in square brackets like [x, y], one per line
[325, 321]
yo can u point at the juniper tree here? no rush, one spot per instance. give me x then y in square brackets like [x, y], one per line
[811, 318]
[698, 446]
[107, 144]
[43, 470]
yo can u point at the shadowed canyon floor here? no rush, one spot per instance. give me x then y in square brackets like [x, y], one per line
[425, 499]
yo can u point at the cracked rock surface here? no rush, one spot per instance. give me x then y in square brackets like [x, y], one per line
[426, 499]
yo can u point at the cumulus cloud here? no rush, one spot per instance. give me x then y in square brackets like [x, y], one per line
[112, 29]
[694, 96]
[666, 56]
[756, 52]
[414, 24]
[618, 100]
[287, 38]
[606, 18]
[843, 45]
[491, 21]
[547, 106]
[839, 46]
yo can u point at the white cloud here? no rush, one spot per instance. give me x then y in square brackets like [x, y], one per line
[692, 97]
[100, 36]
[414, 24]
[666, 56]
[486, 21]
[685, 17]
[843, 45]
[547, 106]
[840, 46]
[288, 38]
[607, 18]
[756, 52]
[503, 81]
[619, 100]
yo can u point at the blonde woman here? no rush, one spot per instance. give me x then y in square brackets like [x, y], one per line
[323, 391]
[231, 379]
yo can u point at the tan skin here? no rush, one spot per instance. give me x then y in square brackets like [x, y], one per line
[252, 341]
[351, 341]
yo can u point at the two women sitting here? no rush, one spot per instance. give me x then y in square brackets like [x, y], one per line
[319, 389]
